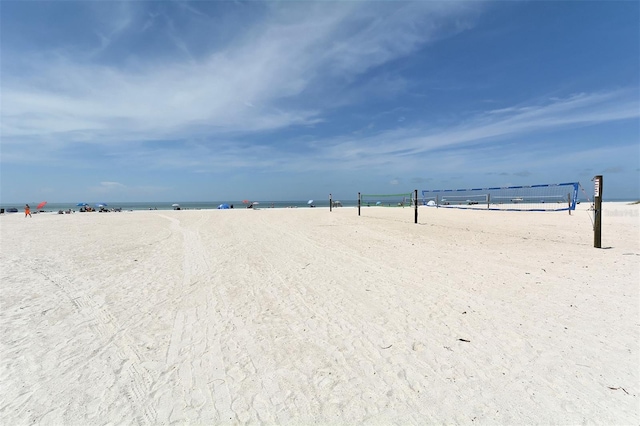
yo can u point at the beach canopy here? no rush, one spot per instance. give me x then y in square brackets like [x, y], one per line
[224, 206]
[41, 205]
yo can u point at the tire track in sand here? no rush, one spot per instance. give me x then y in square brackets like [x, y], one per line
[195, 367]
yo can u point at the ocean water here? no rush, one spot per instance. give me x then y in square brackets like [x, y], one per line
[189, 205]
[199, 205]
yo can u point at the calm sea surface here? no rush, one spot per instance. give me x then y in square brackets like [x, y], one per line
[191, 205]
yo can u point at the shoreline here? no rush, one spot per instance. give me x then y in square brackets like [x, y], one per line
[238, 205]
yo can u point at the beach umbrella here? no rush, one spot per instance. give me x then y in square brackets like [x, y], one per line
[101, 204]
[378, 203]
[245, 201]
[175, 205]
[431, 203]
[41, 205]
[255, 202]
[224, 206]
[82, 204]
[310, 202]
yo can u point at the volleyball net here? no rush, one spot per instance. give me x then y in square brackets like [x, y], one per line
[387, 200]
[373, 201]
[545, 197]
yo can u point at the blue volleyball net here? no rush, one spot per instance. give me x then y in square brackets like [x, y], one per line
[546, 197]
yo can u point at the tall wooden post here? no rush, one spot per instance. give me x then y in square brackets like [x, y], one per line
[330, 202]
[597, 211]
[488, 201]
[415, 198]
[358, 204]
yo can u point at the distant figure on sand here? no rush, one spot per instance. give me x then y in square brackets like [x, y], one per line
[27, 211]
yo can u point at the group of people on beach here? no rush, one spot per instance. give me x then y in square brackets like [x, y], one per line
[27, 210]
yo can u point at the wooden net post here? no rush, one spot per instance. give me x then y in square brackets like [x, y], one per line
[597, 211]
[415, 202]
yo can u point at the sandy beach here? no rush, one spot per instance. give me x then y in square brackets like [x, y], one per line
[305, 316]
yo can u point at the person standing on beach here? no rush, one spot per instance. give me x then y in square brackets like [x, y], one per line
[27, 211]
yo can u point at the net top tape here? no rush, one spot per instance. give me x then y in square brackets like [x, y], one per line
[574, 184]
[386, 195]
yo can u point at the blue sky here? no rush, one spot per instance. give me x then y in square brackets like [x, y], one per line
[199, 101]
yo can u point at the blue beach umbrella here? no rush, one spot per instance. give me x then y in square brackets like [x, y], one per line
[82, 204]
[101, 204]
[224, 206]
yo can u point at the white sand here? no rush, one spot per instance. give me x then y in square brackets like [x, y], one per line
[299, 316]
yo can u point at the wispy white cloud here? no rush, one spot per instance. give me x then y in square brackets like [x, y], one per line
[397, 149]
[579, 110]
[109, 189]
[111, 23]
[288, 53]
[111, 184]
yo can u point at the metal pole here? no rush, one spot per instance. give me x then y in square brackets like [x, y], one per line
[415, 192]
[330, 202]
[569, 199]
[597, 211]
[358, 204]
[488, 201]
